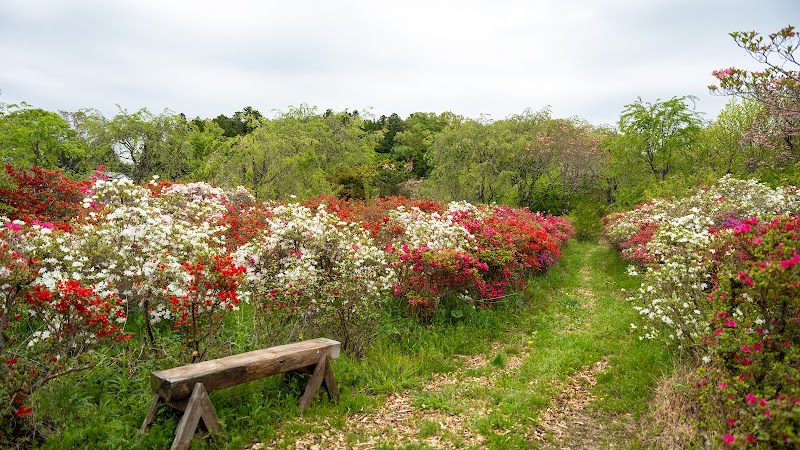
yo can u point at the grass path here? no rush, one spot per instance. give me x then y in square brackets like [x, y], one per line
[563, 373]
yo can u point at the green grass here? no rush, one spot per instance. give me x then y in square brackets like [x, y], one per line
[571, 317]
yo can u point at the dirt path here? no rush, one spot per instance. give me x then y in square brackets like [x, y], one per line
[569, 421]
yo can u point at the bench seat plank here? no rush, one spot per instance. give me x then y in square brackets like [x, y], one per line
[177, 383]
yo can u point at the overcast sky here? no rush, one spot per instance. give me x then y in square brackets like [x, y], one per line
[584, 58]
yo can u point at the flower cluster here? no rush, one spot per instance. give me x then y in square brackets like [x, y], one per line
[43, 329]
[211, 289]
[470, 253]
[41, 195]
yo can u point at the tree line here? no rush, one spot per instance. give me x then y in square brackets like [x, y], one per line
[531, 159]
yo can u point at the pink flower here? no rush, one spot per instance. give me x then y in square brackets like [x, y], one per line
[723, 385]
[746, 278]
[790, 262]
[751, 398]
[746, 349]
[730, 323]
[750, 438]
[728, 439]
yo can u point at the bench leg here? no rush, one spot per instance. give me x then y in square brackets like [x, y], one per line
[322, 376]
[199, 407]
[329, 383]
[148, 419]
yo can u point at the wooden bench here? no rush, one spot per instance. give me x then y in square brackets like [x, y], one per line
[186, 388]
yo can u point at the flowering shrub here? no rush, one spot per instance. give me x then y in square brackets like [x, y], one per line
[244, 220]
[675, 244]
[80, 262]
[753, 369]
[312, 272]
[719, 275]
[473, 253]
[458, 251]
[43, 330]
[136, 243]
[211, 290]
[41, 195]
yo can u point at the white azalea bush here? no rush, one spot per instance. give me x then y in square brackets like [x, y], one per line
[676, 245]
[313, 273]
[433, 230]
[136, 244]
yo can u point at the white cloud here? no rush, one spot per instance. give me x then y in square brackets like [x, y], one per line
[584, 58]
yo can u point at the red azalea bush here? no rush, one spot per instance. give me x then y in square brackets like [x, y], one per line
[425, 275]
[211, 291]
[536, 238]
[43, 333]
[243, 222]
[504, 246]
[37, 194]
[753, 379]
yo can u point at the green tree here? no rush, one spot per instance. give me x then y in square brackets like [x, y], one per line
[413, 143]
[728, 146]
[301, 153]
[241, 123]
[205, 138]
[391, 126]
[533, 153]
[32, 136]
[93, 139]
[656, 137]
[149, 144]
[471, 161]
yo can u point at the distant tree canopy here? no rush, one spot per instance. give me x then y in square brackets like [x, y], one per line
[240, 124]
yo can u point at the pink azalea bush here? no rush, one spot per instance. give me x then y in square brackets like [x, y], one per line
[752, 377]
